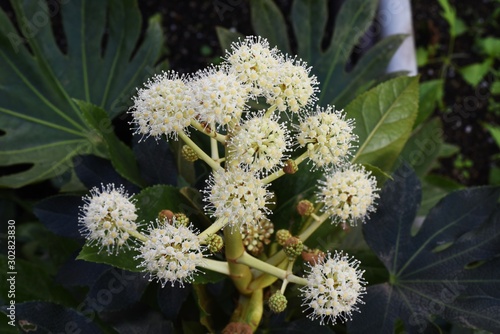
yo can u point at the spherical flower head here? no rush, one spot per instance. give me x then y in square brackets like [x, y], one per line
[238, 196]
[253, 62]
[293, 87]
[260, 144]
[334, 287]
[348, 194]
[327, 136]
[219, 96]
[164, 107]
[170, 253]
[107, 217]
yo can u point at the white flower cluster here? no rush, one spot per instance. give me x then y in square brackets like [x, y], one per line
[171, 253]
[238, 196]
[219, 95]
[348, 194]
[260, 144]
[107, 217]
[334, 287]
[327, 137]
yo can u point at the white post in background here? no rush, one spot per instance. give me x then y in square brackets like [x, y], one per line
[395, 18]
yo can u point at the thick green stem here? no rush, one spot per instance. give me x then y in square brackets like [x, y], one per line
[249, 309]
[240, 273]
[265, 267]
[212, 229]
[313, 226]
[214, 265]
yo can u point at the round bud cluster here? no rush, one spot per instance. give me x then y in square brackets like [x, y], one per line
[255, 237]
[277, 302]
[189, 154]
[293, 247]
[214, 243]
[107, 217]
[282, 236]
[305, 208]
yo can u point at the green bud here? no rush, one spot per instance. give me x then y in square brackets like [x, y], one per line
[277, 302]
[215, 243]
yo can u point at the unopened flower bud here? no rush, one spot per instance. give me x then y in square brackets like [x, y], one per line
[215, 243]
[293, 247]
[305, 208]
[237, 328]
[290, 167]
[165, 216]
[181, 219]
[189, 154]
[313, 256]
[277, 302]
[282, 236]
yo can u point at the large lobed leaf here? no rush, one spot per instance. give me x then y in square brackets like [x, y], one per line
[308, 19]
[43, 126]
[449, 269]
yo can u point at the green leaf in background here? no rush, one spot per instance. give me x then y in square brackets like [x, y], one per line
[268, 22]
[448, 269]
[384, 119]
[424, 146]
[308, 19]
[490, 46]
[495, 88]
[430, 96]
[38, 81]
[474, 73]
[495, 132]
[123, 260]
[457, 26]
[309, 22]
[121, 155]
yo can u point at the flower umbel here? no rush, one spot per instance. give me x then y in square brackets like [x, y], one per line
[335, 286]
[164, 107]
[238, 196]
[220, 97]
[260, 144]
[171, 253]
[349, 194]
[107, 217]
[327, 136]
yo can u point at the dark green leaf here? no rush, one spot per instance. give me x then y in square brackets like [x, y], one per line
[268, 22]
[353, 19]
[118, 289]
[60, 214]
[309, 20]
[424, 147]
[431, 95]
[384, 119]
[45, 317]
[28, 288]
[121, 155]
[226, 37]
[152, 200]
[125, 259]
[369, 71]
[44, 128]
[448, 269]
[474, 73]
